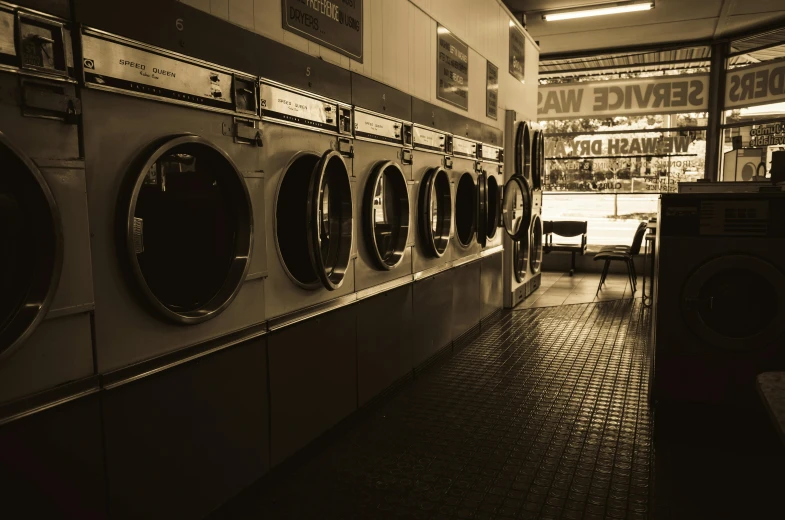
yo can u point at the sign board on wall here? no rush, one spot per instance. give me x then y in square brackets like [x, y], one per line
[640, 96]
[452, 69]
[491, 90]
[517, 51]
[337, 24]
[758, 84]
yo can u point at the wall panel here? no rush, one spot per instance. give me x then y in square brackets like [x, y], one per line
[399, 41]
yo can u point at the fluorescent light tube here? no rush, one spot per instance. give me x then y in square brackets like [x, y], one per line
[597, 11]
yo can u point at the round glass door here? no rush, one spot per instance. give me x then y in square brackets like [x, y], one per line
[31, 247]
[535, 255]
[465, 209]
[386, 215]
[736, 302]
[517, 208]
[482, 209]
[435, 210]
[313, 220]
[494, 206]
[520, 259]
[538, 159]
[523, 150]
[187, 225]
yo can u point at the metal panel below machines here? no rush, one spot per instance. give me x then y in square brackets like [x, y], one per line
[313, 379]
[384, 341]
[432, 306]
[491, 298]
[179, 443]
[52, 463]
[465, 299]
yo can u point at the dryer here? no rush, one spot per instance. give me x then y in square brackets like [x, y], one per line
[382, 167]
[535, 236]
[46, 284]
[432, 293]
[491, 270]
[51, 452]
[518, 217]
[175, 196]
[719, 295]
[471, 199]
[307, 160]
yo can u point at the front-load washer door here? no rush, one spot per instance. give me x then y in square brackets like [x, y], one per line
[435, 211]
[330, 220]
[538, 159]
[520, 259]
[482, 209]
[735, 302]
[386, 215]
[465, 209]
[31, 247]
[517, 208]
[535, 246]
[494, 206]
[523, 150]
[186, 227]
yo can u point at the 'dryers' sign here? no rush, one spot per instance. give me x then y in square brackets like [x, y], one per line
[337, 24]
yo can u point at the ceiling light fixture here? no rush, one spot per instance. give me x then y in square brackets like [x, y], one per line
[600, 10]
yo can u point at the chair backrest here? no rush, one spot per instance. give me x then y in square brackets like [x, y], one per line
[569, 228]
[637, 240]
[547, 227]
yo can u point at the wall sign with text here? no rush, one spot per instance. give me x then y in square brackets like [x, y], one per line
[452, 69]
[758, 84]
[656, 95]
[517, 51]
[492, 91]
[337, 24]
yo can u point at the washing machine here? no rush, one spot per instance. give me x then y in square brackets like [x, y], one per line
[491, 269]
[307, 162]
[535, 235]
[46, 285]
[432, 293]
[176, 199]
[719, 295]
[518, 216]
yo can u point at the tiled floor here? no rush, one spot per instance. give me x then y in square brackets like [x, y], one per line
[562, 289]
[544, 415]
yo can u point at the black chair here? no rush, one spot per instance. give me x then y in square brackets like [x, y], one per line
[622, 248]
[623, 256]
[565, 228]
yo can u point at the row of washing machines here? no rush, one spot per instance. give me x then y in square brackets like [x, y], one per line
[201, 270]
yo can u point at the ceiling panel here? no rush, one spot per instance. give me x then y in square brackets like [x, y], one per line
[670, 21]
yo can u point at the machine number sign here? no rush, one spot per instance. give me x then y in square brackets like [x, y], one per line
[452, 69]
[337, 24]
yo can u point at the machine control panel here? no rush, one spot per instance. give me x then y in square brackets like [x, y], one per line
[464, 148]
[427, 139]
[378, 128]
[287, 106]
[730, 215]
[491, 153]
[34, 42]
[145, 71]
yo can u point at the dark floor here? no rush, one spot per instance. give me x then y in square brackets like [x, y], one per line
[544, 415]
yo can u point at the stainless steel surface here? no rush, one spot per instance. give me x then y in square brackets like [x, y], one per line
[466, 299]
[432, 309]
[491, 283]
[119, 130]
[294, 144]
[57, 345]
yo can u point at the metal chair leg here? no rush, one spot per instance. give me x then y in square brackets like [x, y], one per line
[630, 271]
[602, 276]
[572, 264]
